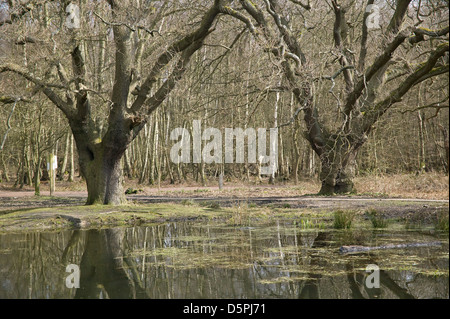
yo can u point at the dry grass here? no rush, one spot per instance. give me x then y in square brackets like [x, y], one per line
[424, 186]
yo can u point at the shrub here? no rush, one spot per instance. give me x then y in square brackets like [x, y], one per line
[377, 220]
[343, 219]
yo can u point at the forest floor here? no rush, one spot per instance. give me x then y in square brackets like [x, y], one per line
[419, 199]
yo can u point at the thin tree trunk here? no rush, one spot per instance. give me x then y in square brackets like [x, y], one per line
[66, 156]
[446, 146]
[421, 153]
[28, 159]
[154, 151]
[72, 162]
[37, 177]
[5, 168]
[147, 145]
[275, 124]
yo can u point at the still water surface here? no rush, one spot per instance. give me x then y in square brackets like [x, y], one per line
[217, 260]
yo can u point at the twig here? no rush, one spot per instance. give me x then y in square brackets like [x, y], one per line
[134, 29]
[296, 113]
[436, 105]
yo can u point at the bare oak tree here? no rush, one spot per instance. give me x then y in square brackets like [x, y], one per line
[132, 97]
[364, 77]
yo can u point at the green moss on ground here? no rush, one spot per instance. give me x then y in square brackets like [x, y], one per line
[100, 215]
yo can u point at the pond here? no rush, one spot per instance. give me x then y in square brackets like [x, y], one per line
[213, 259]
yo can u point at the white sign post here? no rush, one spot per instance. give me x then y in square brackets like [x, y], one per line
[52, 165]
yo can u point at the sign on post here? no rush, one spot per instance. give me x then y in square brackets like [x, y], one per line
[52, 165]
[53, 161]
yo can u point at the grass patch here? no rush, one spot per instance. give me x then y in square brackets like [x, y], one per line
[103, 215]
[187, 202]
[376, 219]
[411, 225]
[210, 204]
[343, 219]
[214, 205]
[442, 222]
[310, 223]
[240, 214]
[201, 190]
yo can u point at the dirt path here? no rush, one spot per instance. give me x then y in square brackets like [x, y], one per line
[226, 198]
[261, 195]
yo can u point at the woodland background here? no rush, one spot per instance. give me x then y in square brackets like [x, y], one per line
[229, 82]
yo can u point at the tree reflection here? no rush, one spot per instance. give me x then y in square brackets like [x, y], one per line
[189, 260]
[102, 269]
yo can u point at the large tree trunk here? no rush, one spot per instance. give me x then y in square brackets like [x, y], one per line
[346, 174]
[337, 178]
[104, 179]
[338, 169]
[100, 162]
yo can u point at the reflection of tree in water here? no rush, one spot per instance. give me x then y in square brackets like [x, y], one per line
[352, 285]
[30, 265]
[122, 263]
[184, 260]
[356, 278]
[102, 267]
[393, 284]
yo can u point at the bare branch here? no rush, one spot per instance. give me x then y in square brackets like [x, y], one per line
[306, 6]
[26, 39]
[379, 62]
[164, 59]
[288, 38]
[419, 75]
[364, 36]
[132, 28]
[435, 105]
[436, 71]
[401, 9]
[292, 119]
[46, 87]
[420, 34]
[338, 41]
[335, 75]
[230, 11]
